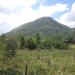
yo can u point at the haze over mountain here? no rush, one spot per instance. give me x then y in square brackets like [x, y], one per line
[44, 26]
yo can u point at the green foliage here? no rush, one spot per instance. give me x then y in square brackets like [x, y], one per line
[2, 41]
[54, 62]
[46, 44]
[10, 47]
[37, 36]
[61, 46]
[30, 44]
[70, 40]
[22, 42]
[47, 57]
[10, 72]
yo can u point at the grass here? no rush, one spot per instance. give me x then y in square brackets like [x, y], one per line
[49, 62]
[46, 62]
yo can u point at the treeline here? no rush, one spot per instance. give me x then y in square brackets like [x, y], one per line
[35, 42]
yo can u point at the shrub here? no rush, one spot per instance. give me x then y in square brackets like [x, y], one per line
[47, 44]
[30, 44]
[61, 46]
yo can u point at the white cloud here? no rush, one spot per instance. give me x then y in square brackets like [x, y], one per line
[15, 3]
[50, 10]
[69, 17]
[20, 11]
[10, 6]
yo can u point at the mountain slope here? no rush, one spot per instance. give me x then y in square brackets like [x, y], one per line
[44, 26]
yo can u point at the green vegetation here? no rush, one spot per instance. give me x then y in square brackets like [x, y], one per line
[42, 62]
[34, 56]
[10, 48]
[38, 48]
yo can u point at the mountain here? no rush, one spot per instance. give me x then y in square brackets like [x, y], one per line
[44, 26]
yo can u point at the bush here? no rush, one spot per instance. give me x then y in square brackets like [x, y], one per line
[47, 44]
[61, 46]
[31, 44]
[70, 40]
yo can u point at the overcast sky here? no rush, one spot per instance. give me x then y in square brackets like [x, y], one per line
[16, 12]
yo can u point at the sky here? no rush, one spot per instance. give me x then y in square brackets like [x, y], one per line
[14, 13]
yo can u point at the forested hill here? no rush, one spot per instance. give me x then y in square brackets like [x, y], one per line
[44, 26]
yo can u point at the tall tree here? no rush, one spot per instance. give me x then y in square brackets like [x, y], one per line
[22, 42]
[37, 36]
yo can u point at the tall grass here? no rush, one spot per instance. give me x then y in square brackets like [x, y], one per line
[45, 62]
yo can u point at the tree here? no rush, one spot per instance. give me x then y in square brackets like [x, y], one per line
[22, 42]
[70, 40]
[2, 41]
[37, 37]
[61, 46]
[10, 48]
[30, 44]
[47, 44]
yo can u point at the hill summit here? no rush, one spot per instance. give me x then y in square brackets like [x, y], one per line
[44, 26]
